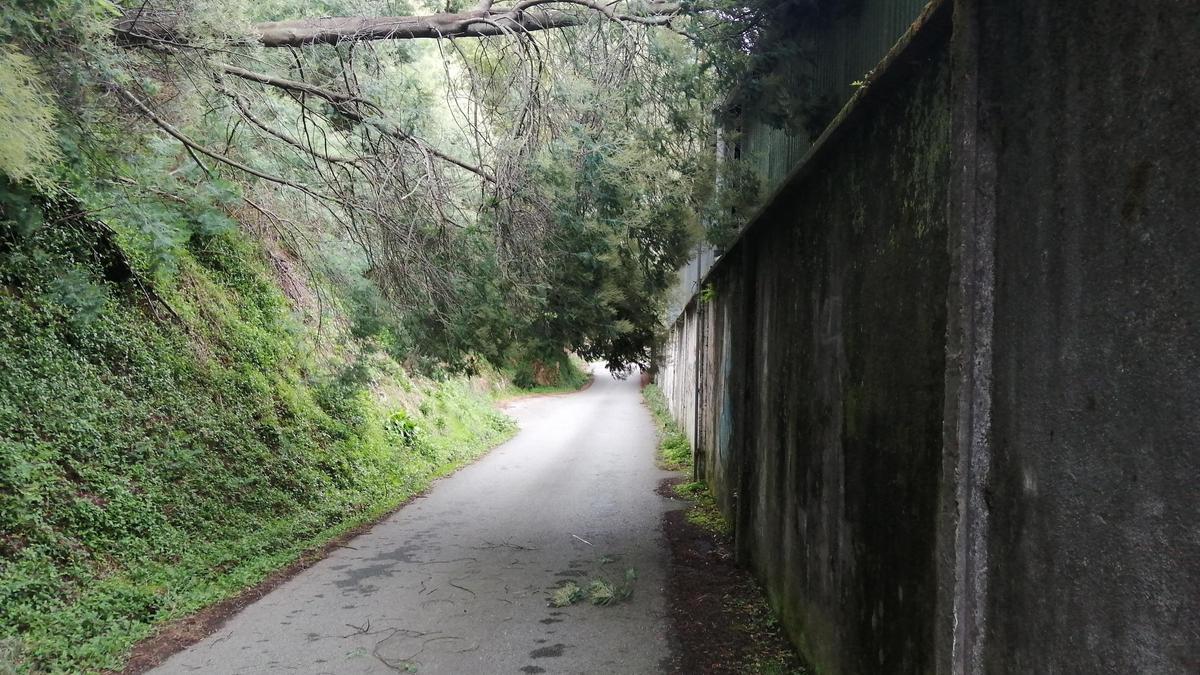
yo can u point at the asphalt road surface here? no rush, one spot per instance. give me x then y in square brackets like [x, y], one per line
[459, 581]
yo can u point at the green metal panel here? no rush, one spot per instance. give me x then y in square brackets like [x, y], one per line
[842, 53]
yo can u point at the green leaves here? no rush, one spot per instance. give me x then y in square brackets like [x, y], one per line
[28, 139]
[150, 466]
[404, 428]
[83, 299]
[20, 214]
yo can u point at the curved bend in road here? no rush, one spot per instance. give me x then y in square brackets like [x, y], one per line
[459, 580]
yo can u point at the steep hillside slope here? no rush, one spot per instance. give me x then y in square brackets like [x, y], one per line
[165, 444]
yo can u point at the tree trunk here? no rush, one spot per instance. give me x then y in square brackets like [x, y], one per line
[526, 16]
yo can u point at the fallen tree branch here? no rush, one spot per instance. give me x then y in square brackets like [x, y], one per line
[483, 21]
[290, 85]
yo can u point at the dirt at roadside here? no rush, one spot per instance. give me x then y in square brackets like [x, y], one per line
[720, 621]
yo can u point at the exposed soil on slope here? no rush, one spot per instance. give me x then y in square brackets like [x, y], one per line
[719, 617]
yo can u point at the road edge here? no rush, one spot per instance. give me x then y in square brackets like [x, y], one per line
[176, 635]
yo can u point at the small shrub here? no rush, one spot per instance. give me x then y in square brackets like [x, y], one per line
[400, 425]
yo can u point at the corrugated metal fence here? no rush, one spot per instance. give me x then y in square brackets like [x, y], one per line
[842, 54]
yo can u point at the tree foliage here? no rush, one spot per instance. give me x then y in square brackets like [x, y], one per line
[27, 143]
[513, 190]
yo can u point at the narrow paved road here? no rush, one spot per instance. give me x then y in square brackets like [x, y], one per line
[458, 581]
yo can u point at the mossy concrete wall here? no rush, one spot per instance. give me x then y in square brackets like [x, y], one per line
[945, 384]
[819, 347]
[1078, 548]
[677, 372]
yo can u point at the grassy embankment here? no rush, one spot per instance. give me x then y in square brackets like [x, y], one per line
[164, 447]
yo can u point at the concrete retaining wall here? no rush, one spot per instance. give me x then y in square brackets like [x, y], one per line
[1090, 499]
[948, 376]
[677, 373]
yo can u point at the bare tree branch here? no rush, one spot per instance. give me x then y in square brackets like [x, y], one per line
[341, 104]
[291, 85]
[192, 145]
[244, 108]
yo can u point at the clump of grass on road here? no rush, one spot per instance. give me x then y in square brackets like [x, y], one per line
[566, 595]
[600, 592]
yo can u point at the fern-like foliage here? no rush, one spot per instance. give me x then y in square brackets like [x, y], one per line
[28, 142]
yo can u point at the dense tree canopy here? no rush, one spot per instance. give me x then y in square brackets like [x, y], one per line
[517, 177]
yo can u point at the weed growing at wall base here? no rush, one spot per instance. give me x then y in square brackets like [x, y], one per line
[704, 511]
[674, 451]
[740, 633]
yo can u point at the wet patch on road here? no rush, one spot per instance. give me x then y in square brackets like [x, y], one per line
[548, 652]
[399, 554]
